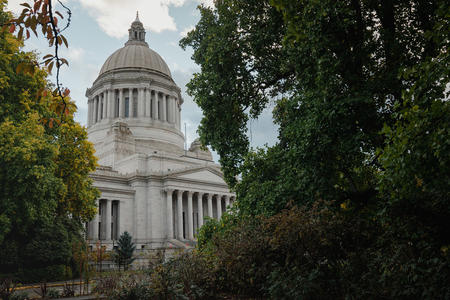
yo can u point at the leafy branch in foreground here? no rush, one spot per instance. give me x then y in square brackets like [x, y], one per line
[42, 16]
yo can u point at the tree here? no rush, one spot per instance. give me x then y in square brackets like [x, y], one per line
[45, 165]
[360, 94]
[42, 15]
[124, 251]
[332, 69]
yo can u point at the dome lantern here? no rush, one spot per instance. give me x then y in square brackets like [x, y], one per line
[136, 33]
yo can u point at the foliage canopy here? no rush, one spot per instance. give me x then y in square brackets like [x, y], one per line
[359, 90]
[44, 165]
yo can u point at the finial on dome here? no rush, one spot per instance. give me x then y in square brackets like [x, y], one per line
[136, 33]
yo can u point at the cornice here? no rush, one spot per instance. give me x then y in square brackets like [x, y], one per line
[116, 191]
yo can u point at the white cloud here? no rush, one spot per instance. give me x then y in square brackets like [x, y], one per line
[74, 54]
[114, 16]
[185, 31]
[207, 3]
[16, 8]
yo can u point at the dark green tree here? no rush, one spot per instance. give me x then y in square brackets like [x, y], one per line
[333, 71]
[360, 95]
[123, 255]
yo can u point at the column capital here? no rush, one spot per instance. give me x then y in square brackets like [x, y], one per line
[190, 193]
[168, 190]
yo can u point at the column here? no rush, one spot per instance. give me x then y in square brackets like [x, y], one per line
[89, 120]
[200, 209]
[94, 226]
[178, 116]
[111, 104]
[227, 202]
[164, 108]
[155, 105]
[180, 214]
[118, 220]
[190, 220]
[219, 206]
[169, 214]
[108, 220]
[121, 104]
[141, 103]
[130, 103]
[105, 105]
[172, 109]
[94, 116]
[148, 103]
[210, 209]
[175, 113]
[99, 108]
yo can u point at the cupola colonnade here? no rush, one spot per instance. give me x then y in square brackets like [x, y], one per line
[141, 102]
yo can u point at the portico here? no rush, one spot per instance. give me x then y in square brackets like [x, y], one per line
[187, 209]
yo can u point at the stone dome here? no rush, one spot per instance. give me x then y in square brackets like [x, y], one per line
[136, 54]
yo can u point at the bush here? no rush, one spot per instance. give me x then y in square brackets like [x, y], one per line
[49, 273]
[20, 296]
[53, 294]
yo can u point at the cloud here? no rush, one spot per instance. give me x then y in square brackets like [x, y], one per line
[16, 8]
[114, 16]
[185, 31]
[74, 54]
[207, 3]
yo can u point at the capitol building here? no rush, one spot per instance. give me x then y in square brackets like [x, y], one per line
[151, 186]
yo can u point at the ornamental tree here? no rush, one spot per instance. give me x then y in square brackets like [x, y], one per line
[124, 251]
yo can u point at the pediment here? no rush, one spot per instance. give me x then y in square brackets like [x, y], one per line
[204, 175]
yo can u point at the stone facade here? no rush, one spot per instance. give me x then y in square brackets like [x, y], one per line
[150, 185]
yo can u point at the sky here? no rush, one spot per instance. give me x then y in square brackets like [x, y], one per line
[99, 27]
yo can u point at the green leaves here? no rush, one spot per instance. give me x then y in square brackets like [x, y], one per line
[45, 159]
[237, 62]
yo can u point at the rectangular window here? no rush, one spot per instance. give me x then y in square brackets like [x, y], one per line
[135, 108]
[127, 107]
[151, 107]
[159, 110]
[117, 108]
